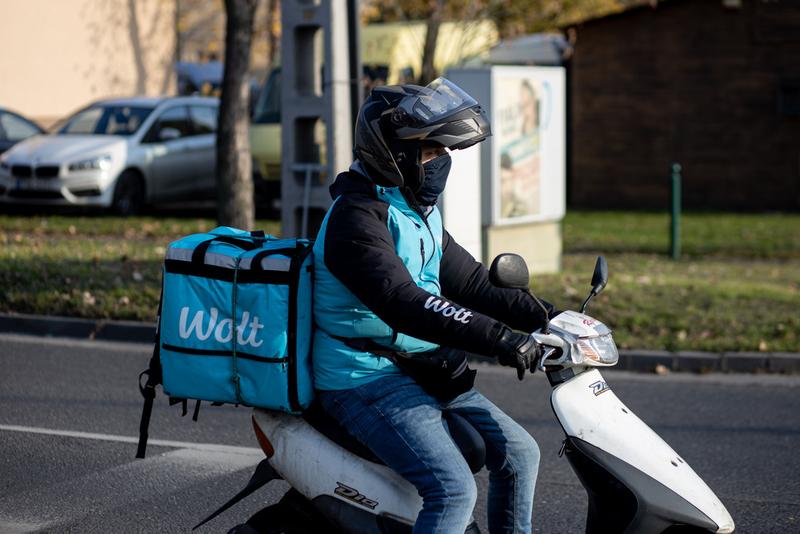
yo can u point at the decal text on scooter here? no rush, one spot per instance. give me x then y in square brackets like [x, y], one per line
[599, 387]
[353, 495]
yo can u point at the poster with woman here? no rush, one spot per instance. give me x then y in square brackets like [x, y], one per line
[519, 147]
[523, 164]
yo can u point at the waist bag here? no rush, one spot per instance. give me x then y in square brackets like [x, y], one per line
[235, 322]
[443, 373]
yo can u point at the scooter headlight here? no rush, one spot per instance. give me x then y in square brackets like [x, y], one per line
[600, 350]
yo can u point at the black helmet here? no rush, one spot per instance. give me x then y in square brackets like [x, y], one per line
[396, 120]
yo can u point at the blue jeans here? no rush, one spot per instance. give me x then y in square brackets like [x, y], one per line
[403, 426]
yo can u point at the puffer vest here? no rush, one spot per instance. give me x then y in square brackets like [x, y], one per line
[338, 313]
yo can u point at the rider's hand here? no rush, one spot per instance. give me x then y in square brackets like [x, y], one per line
[518, 350]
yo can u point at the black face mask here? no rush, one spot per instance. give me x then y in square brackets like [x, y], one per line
[436, 171]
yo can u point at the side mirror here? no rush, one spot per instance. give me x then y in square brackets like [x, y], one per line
[599, 280]
[600, 276]
[509, 270]
[168, 134]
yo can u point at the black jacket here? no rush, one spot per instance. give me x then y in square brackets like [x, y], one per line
[360, 252]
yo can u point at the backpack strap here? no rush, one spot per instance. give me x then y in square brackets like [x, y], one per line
[183, 402]
[148, 390]
[364, 344]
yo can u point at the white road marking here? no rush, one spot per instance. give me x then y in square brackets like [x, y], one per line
[13, 527]
[206, 447]
[54, 507]
[60, 506]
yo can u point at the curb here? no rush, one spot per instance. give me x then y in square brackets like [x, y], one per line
[100, 329]
[651, 361]
[643, 361]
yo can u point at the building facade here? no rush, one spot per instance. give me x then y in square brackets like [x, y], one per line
[59, 56]
[711, 84]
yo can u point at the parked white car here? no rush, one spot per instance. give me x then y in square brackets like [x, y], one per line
[14, 128]
[118, 154]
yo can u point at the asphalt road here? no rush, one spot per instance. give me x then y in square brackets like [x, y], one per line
[69, 416]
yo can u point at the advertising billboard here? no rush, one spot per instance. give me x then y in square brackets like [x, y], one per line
[528, 149]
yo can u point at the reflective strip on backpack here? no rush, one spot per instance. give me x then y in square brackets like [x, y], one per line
[229, 262]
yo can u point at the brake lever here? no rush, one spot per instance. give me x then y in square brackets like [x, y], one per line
[552, 344]
[547, 353]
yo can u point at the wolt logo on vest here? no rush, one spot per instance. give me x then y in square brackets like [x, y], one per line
[461, 315]
[222, 330]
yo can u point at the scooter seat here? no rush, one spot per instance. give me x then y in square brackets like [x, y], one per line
[465, 436]
[331, 429]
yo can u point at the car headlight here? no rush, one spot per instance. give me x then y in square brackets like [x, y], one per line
[91, 164]
[4, 160]
[601, 350]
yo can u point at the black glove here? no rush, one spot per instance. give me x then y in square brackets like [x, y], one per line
[518, 350]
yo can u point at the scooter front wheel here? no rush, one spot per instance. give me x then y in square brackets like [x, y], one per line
[289, 516]
[275, 519]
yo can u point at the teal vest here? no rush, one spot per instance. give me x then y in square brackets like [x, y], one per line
[337, 311]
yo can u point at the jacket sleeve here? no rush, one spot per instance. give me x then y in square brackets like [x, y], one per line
[466, 280]
[360, 253]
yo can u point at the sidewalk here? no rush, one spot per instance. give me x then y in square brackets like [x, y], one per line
[646, 361]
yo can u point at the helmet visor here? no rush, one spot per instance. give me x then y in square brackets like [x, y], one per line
[438, 99]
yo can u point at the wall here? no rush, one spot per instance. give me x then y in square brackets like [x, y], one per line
[61, 55]
[539, 243]
[695, 82]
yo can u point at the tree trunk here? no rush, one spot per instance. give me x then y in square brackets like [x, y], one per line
[431, 35]
[234, 166]
[273, 32]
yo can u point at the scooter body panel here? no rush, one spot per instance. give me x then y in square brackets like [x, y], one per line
[589, 411]
[321, 469]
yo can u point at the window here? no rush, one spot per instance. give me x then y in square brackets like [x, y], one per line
[204, 119]
[13, 128]
[83, 122]
[268, 107]
[174, 120]
[108, 120]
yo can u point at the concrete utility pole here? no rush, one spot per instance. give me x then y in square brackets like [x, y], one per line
[316, 107]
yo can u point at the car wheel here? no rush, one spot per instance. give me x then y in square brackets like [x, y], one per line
[128, 194]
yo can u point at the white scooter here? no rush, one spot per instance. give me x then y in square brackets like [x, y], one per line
[635, 482]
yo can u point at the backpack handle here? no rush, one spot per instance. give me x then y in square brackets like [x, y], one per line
[199, 254]
[256, 264]
[290, 252]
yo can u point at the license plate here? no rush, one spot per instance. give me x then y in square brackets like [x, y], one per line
[26, 183]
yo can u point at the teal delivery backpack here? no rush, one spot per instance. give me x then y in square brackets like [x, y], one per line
[235, 323]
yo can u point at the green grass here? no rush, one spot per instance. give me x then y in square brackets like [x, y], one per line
[707, 304]
[771, 236]
[737, 287]
[136, 228]
[99, 267]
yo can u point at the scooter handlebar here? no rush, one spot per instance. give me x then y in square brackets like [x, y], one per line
[552, 344]
[550, 340]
